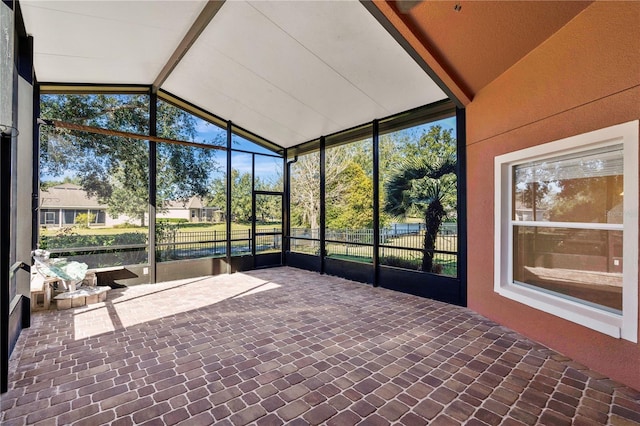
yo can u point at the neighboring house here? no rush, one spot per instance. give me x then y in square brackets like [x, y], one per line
[193, 210]
[60, 205]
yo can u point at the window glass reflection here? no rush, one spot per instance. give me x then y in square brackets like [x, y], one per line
[581, 264]
[587, 189]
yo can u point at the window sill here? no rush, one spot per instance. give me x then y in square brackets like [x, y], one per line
[593, 318]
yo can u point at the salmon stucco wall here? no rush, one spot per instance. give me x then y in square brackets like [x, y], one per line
[585, 77]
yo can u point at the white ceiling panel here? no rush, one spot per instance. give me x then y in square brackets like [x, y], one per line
[289, 71]
[106, 41]
[306, 68]
[258, 65]
[204, 81]
[363, 54]
[280, 60]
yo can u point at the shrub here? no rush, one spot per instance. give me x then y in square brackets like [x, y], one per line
[172, 220]
[126, 225]
[98, 258]
[400, 262]
[83, 220]
[74, 241]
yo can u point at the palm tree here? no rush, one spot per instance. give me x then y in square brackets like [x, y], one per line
[427, 185]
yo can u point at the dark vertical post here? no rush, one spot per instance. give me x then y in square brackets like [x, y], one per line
[228, 207]
[153, 170]
[376, 203]
[286, 200]
[323, 209]
[461, 139]
[5, 231]
[26, 71]
[35, 185]
[17, 46]
[5, 250]
[253, 209]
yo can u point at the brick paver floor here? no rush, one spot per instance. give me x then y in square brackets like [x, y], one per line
[286, 346]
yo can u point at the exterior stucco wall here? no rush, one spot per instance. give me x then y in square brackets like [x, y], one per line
[174, 214]
[585, 77]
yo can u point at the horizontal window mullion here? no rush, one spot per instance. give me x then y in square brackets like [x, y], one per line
[349, 243]
[419, 250]
[96, 248]
[572, 225]
[178, 243]
[303, 238]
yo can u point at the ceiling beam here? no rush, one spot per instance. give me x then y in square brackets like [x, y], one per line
[206, 15]
[395, 23]
[108, 132]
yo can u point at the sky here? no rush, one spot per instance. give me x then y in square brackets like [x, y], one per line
[267, 167]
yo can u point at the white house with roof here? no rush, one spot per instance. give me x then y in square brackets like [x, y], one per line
[60, 206]
[193, 209]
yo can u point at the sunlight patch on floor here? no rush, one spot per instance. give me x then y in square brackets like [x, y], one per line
[136, 305]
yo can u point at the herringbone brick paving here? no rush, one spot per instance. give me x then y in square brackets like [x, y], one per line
[286, 346]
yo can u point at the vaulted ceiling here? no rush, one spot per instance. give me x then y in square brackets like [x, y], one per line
[291, 71]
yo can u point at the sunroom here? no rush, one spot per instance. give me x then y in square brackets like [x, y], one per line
[214, 137]
[254, 115]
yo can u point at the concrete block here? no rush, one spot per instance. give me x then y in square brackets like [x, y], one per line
[76, 302]
[90, 279]
[90, 299]
[63, 304]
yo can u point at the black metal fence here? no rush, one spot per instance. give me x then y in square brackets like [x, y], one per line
[170, 245]
[401, 245]
[179, 245]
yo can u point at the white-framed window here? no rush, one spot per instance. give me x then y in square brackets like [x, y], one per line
[50, 218]
[566, 229]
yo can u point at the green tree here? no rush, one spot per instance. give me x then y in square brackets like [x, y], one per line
[348, 183]
[390, 154]
[115, 169]
[425, 181]
[44, 186]
[354, 208]
[268, 209]
[128, 201]
[305, 184]
[241, 199]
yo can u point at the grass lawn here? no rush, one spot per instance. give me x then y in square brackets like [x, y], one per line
[443, 242]
[449, 267]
